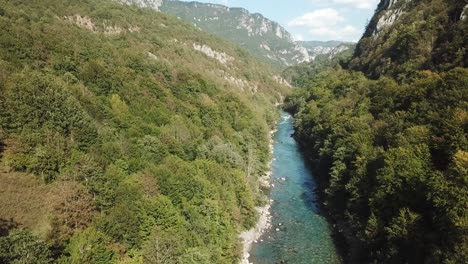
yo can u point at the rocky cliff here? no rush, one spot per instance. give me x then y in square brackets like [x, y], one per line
[264, 38]
[408, 35]
[317, 48]
[153, 4]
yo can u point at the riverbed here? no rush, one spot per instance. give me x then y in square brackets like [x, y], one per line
[299, 231]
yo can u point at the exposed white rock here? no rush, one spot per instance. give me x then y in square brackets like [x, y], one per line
[279, 32]
[280, 80]
[134, 29]
[337, 51]
[82, 21]
[241, 84]
[112, 30]
[251, 236]
[246, 22]
[153, 4]
[303, 52]
[87, 23]
[264, 27]
[265, 33]
[222, 57]
[387, 20]
[319, 50]
[152, 56]
[322, 50]
[265, 46]
[257, 25]
[218, 7]
[389, 16]
[464, 14]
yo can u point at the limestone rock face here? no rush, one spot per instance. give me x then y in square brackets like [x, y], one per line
[392, 10]
[330, 48]
[262, 37]
[411, 35]
[153, 4]
[222, 57]
[464, 13]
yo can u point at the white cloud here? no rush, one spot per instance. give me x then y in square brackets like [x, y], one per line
[347, 32]
[326, 24]
[298, 37]
[362, 4]
[318, 18]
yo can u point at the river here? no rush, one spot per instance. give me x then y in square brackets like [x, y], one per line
[299, 233]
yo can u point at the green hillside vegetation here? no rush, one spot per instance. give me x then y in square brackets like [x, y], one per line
[391, 149]
[430, 36]
[119, 142]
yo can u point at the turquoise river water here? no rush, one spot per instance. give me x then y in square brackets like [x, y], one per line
[300, 234]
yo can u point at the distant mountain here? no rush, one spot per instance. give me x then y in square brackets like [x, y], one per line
[310, 44]
[264, 38]
[325, 55]
[332, 47]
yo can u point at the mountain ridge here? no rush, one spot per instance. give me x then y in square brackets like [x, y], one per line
[435, 31]
[264, 38]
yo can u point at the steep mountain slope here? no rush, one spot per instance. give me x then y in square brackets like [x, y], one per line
[126, 136]
[408, 35]
[264, 38]
[391, 151]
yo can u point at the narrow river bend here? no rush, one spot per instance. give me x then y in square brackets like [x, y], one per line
[300, 234]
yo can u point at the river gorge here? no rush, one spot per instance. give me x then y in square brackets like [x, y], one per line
[299, 231]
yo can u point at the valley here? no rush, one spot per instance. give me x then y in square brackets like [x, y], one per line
[299, 232]
[163, 131]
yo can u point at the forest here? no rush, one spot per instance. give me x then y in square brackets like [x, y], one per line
[392, 161]
[120, 143]
[386, 133]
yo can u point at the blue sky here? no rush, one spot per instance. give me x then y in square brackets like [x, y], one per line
[313, 19]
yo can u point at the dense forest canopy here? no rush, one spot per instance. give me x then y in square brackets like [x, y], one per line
[122, 142]
[387, 134]
[128, 136]
[406, 35]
